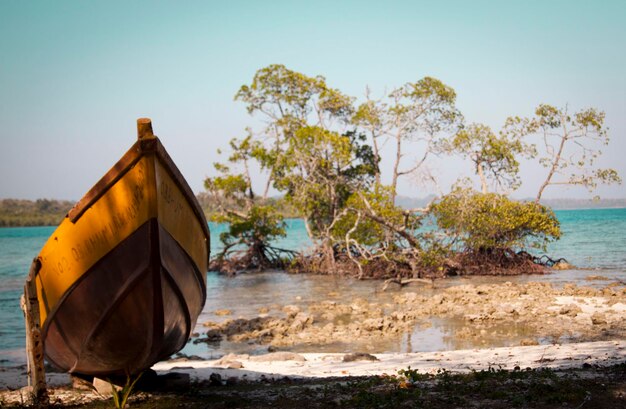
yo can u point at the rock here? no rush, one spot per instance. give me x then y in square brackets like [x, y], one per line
[598, 318]
[230, 358]
[359, 356]
[223, 312]
[264, 310]
[234, 365]
[81, 384]
[180, 357]
[438, 299]
[373, 324]
[571, 310]
[329, 316]
[562, 265]
[498, 315]
[510, 309]
[410, 297]
[291, 310]
[104, 387]
[328, 328]
[214, 335]
[215, 379]
[301, 321]
[528, 342]
[596, 277]
[400, 316]
[278, 356]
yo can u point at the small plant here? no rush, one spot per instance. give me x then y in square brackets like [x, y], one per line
[120, 397]
[412, 376]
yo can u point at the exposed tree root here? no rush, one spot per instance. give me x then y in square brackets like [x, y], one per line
[403, 269]
[256, 257]
[497, 262]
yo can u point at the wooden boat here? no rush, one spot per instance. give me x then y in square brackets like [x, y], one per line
[122, 280]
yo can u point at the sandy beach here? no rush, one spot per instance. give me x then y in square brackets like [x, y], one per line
[278, 365]
[319, 365]
[286, 367]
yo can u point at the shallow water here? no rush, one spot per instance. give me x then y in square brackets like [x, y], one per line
[593, 240]
[245, 294]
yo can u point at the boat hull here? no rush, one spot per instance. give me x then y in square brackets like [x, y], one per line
[122, 280]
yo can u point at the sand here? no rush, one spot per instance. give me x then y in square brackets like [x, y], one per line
[310, 365]
[575, 355]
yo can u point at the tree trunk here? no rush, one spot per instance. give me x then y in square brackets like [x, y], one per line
[307, 226]
[555, 164]
[329, 257]
[396, 169]
[376, 159]
[483, 178]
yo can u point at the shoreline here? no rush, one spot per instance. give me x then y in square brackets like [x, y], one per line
[608, 207]
[462, 316]
[278, 365]
[567, 332]
[257, 378]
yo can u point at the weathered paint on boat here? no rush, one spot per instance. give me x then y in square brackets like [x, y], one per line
[122, 280]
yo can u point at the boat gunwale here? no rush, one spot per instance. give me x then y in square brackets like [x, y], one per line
[139, 149]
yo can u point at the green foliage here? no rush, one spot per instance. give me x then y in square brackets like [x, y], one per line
[252, 222]
[291, 100]
[434, 252]
[362, 222]
[304, 153]
[322, 154]
[569, 145]
[494, 156]
[319, 171]
[234, 186]
[425, 105]
[487, 221]
[42, 212]
[509, 388]
[260, 224]
[353, 224]
[120, 398]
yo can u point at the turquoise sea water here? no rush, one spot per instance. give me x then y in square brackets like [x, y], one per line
[592, 239]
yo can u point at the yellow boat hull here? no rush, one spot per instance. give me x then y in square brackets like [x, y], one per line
[122, 280]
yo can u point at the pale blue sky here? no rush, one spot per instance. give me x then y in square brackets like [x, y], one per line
[74, 75]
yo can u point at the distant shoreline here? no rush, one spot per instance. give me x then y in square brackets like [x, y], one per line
[50, 212]
[588, 208]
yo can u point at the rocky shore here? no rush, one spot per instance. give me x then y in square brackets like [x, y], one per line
[531, 326]
[494, 314]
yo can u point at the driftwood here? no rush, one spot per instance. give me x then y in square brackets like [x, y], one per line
[34, 342]
[406, 281]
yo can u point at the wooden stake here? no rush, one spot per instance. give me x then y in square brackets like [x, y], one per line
[34, 342]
